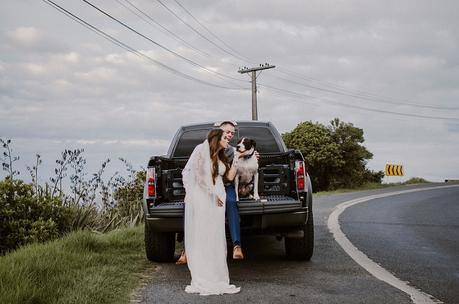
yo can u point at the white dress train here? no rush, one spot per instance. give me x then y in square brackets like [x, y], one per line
[205, 239]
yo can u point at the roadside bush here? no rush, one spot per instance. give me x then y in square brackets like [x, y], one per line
[416, 180]
[27, 217]
[39, 212]
[129, 198]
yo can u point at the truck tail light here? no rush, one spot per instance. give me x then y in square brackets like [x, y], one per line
[300, 175]
[151, 182]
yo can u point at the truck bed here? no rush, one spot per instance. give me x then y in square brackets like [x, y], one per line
[275, 176]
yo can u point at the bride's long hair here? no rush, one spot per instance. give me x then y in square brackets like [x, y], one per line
[217, 152]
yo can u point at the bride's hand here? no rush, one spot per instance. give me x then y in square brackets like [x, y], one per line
[219, 203]
[236, 157]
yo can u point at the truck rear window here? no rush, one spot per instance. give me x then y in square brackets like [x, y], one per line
[266, 143]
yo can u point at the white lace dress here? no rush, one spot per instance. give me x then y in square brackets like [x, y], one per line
[205, 239]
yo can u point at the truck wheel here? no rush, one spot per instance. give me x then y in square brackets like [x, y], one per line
[159, 246]
[302, 248]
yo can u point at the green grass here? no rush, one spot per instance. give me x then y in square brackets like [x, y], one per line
[372, 186]
[82, 267]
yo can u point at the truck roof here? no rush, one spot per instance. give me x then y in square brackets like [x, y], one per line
[243, 123]
[196, 127]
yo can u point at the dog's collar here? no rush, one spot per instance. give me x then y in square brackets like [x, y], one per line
[249, 156]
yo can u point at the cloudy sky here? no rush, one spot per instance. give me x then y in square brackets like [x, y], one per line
[389, 67]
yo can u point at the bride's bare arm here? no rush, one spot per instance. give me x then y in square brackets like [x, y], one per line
[233, 169]
[231, 173]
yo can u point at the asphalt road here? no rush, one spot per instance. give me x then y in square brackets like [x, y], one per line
[266, 276]
[415, 236]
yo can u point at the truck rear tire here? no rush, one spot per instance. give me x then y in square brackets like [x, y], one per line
[159, 246]
[302, 248]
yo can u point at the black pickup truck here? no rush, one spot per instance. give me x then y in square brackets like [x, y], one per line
[284, 209]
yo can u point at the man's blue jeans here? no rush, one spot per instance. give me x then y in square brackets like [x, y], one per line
[232, 214]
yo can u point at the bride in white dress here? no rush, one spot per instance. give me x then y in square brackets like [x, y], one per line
[205, 198]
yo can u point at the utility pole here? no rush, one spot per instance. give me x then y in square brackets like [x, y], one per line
[254, 84]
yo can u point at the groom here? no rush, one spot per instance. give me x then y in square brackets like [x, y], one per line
[232, 211]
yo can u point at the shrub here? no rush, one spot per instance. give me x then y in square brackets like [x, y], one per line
[27, 217]
[128, 197]
[416, 180]
[37, 213]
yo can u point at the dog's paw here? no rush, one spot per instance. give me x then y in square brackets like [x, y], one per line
[256, 197]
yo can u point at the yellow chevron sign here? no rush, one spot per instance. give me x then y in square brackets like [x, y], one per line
[394, 170]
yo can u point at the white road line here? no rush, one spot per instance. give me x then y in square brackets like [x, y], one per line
[417, 296]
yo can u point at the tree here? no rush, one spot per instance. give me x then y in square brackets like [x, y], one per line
[334, 154]
[320, 151]
[352, 172]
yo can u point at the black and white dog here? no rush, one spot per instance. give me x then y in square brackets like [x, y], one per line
[246, 178]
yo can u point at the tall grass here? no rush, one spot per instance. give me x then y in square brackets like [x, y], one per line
[82, 267]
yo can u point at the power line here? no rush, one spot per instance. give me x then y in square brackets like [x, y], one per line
[199, 33]
[209, 31]
[129, 48]
[189, 77]
[358, 93]
[364, 97]
[341, 104]
[160, 45]
[335, 89]
[170, 32]
[352, 94]
[165, 29]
